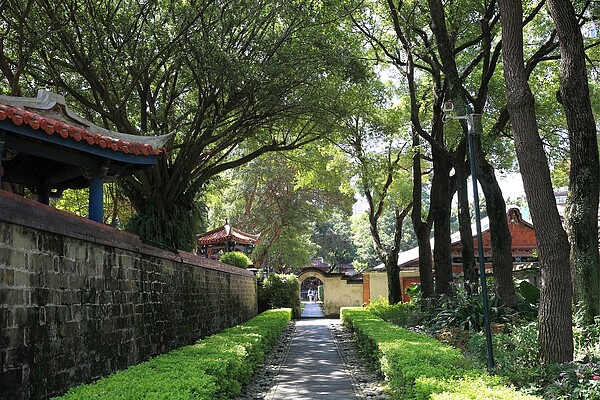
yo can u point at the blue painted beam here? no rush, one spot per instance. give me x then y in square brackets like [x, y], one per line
[82, 145]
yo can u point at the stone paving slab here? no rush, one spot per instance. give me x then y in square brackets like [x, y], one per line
[313, 369]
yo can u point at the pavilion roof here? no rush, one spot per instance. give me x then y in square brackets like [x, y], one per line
[49, 114]
[226, 233]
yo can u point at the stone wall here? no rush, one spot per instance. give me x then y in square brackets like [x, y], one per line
[80, 300]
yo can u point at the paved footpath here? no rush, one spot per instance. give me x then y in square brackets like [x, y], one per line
[313, 369]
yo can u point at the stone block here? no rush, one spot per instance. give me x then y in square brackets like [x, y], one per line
[13, 258]
[41, 262]
[12, 297]
[69, 329]
[9, 276]
[50, 244]
[56, 280]
[21, 316]
[75, 250]
[24, 238]
[25, 279]
[11, 383]
[12, 337]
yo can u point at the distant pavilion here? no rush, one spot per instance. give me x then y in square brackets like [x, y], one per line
[224, 239]
[48, 148]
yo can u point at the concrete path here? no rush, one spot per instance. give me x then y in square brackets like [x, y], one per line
[313, 369]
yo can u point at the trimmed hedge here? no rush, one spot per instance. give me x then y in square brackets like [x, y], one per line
[419, 367]
[214, 368]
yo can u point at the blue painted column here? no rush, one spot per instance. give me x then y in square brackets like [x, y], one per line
[96, 200]
[43, 196]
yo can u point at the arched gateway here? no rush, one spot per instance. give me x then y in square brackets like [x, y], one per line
[340, 290]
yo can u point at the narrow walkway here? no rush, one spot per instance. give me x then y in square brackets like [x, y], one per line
[313, 369]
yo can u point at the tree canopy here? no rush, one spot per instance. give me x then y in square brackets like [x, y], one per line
[232, 80]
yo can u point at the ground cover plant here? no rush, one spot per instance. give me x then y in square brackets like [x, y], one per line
[417, 366]
[213, 368]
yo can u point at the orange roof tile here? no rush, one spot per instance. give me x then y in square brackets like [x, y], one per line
[50, 126]
[224, 234]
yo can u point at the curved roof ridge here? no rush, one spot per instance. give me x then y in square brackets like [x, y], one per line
[53, 105]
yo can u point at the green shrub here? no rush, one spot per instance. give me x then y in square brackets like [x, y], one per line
[516, 354]
[417, 366]
[214, 368]
[236, 258]
[403, 314]
[586, 337]
[283, 291]
[528, 298]
[465, 311]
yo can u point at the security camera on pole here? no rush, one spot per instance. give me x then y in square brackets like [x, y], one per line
[471, 118]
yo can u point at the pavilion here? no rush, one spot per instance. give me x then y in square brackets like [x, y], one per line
[224, 239]
[48, 148]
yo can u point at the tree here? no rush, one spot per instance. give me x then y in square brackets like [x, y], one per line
[334, 238]
[283, 196]
[554, 320]
[372, 140]
[422, 227]
[433, 57]
[457, 62]
[584, 176]
[232, 80]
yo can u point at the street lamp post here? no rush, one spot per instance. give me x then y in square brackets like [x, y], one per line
[482, 277]
[470, 118]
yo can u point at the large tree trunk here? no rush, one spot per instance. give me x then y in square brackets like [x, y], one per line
[501, 239]
[393, 278]
[554, 320]
[441, 198]
[584, 184]
[464, 221]
[422, 228]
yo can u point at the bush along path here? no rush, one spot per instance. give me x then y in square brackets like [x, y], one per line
[214, 368]
[419, 367]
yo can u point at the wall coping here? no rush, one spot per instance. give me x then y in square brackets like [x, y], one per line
[18, 210]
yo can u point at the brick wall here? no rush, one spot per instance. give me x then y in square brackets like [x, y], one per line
[79, 300]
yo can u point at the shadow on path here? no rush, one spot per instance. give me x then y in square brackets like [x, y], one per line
[313, 369]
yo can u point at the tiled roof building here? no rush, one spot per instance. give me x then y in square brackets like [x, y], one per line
[48, 148]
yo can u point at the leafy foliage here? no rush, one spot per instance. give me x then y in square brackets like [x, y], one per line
[419, 367]
[174, 228]
[528, 298]
[403, 314]
[516, 354]
[280, 196]
[576, 381]
[213, 368]
[232, 81]
[283, 290]
[236, 258]
[334, 238]
[465, 311]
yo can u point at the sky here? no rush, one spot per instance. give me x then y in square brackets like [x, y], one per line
[511, 185]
